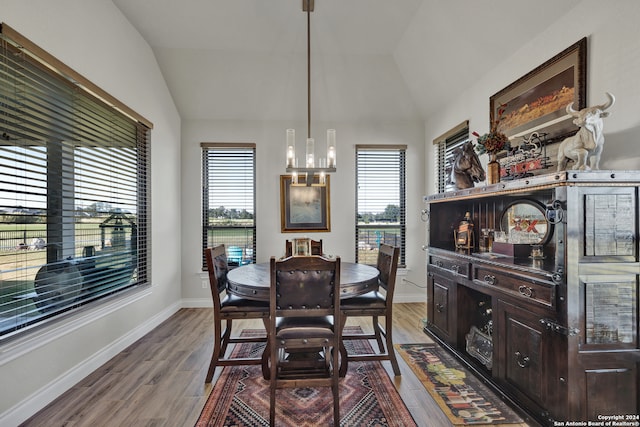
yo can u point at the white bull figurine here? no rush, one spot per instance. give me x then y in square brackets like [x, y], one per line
[586, 145]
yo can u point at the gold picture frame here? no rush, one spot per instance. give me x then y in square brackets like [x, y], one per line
[536, 102]
[304, 207]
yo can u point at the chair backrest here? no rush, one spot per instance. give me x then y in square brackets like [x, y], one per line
[218, 268]
[305, 287]
[387, 264]
[316, 248]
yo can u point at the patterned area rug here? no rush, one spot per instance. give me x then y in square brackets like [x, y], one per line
[240, 397]
[460, 395]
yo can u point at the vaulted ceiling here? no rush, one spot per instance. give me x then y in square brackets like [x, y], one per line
[371, 59]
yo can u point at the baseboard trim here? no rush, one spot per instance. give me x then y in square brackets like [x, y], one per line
[406, 298]
[197, 303]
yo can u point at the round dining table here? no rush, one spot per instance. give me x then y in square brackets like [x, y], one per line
[252, 281]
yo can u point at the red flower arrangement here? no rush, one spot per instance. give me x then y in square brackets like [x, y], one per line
[493, 141]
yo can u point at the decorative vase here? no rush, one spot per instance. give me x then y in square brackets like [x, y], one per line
[493, 170]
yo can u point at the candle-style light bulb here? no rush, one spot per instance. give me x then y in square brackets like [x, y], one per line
[291, 147]
[310, 153]
[331, 148]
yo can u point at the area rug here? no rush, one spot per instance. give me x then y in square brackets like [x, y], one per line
[460, 395]
[240, 397]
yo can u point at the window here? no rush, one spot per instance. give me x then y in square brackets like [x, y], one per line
[443, 147]
[380, 199]
[73, 190]
[228, 200]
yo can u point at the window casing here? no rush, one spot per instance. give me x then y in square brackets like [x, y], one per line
[228, 200]
[380, 200]
[74, 192]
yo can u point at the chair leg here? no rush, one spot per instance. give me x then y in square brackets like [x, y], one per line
[272, 384]
[217, 349]
[265, 354]
[343, 351]
[226, 336]
[390, 349]
[335, 388]
[266, 369]
[272, 407]
[378, 333]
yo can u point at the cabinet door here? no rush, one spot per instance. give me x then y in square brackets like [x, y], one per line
[603, 300]
[608, 353]
[531, 360]
[611, 385]
[441, 302]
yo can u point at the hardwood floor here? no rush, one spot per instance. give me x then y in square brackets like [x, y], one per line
[159, 380]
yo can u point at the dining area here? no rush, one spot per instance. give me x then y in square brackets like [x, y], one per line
[303, 300]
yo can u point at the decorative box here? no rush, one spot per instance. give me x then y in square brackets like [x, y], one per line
[514, 250]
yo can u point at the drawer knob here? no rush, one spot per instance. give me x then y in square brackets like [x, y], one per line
[439, 308]
[522, 360]
[491, 280]
[439, 263]
[525, 291]
[455, 268]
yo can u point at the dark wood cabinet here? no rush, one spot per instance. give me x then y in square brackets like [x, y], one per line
[441, 306]
[528, 359]
[563, 325]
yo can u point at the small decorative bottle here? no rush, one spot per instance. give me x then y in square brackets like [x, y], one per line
[486, 240]
[464, 234]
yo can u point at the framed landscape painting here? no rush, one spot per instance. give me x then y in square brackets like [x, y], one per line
[304, 207]
[537, 101]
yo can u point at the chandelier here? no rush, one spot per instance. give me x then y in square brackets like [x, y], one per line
[314, 169]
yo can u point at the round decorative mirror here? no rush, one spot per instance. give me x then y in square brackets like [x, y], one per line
[524, 222]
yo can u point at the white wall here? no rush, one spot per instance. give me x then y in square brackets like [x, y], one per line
[94, 38]
[270, 143]
[613, 54]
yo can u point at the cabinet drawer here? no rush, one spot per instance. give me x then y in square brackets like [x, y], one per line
[456, 266]
[526, 287]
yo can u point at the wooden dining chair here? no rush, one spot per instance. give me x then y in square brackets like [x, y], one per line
[304, 320]
[375, 304]
[226, 308]
[316, 248]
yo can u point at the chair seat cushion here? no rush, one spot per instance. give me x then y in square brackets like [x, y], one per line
[371, 300]
[304, 327]
[235, 303]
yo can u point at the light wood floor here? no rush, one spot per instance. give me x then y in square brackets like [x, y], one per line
[159, 380]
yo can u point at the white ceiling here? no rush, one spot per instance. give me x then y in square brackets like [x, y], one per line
[371, 59]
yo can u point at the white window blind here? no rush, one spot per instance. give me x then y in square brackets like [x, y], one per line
[380, 200]
[73, 191]
[228, 200]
